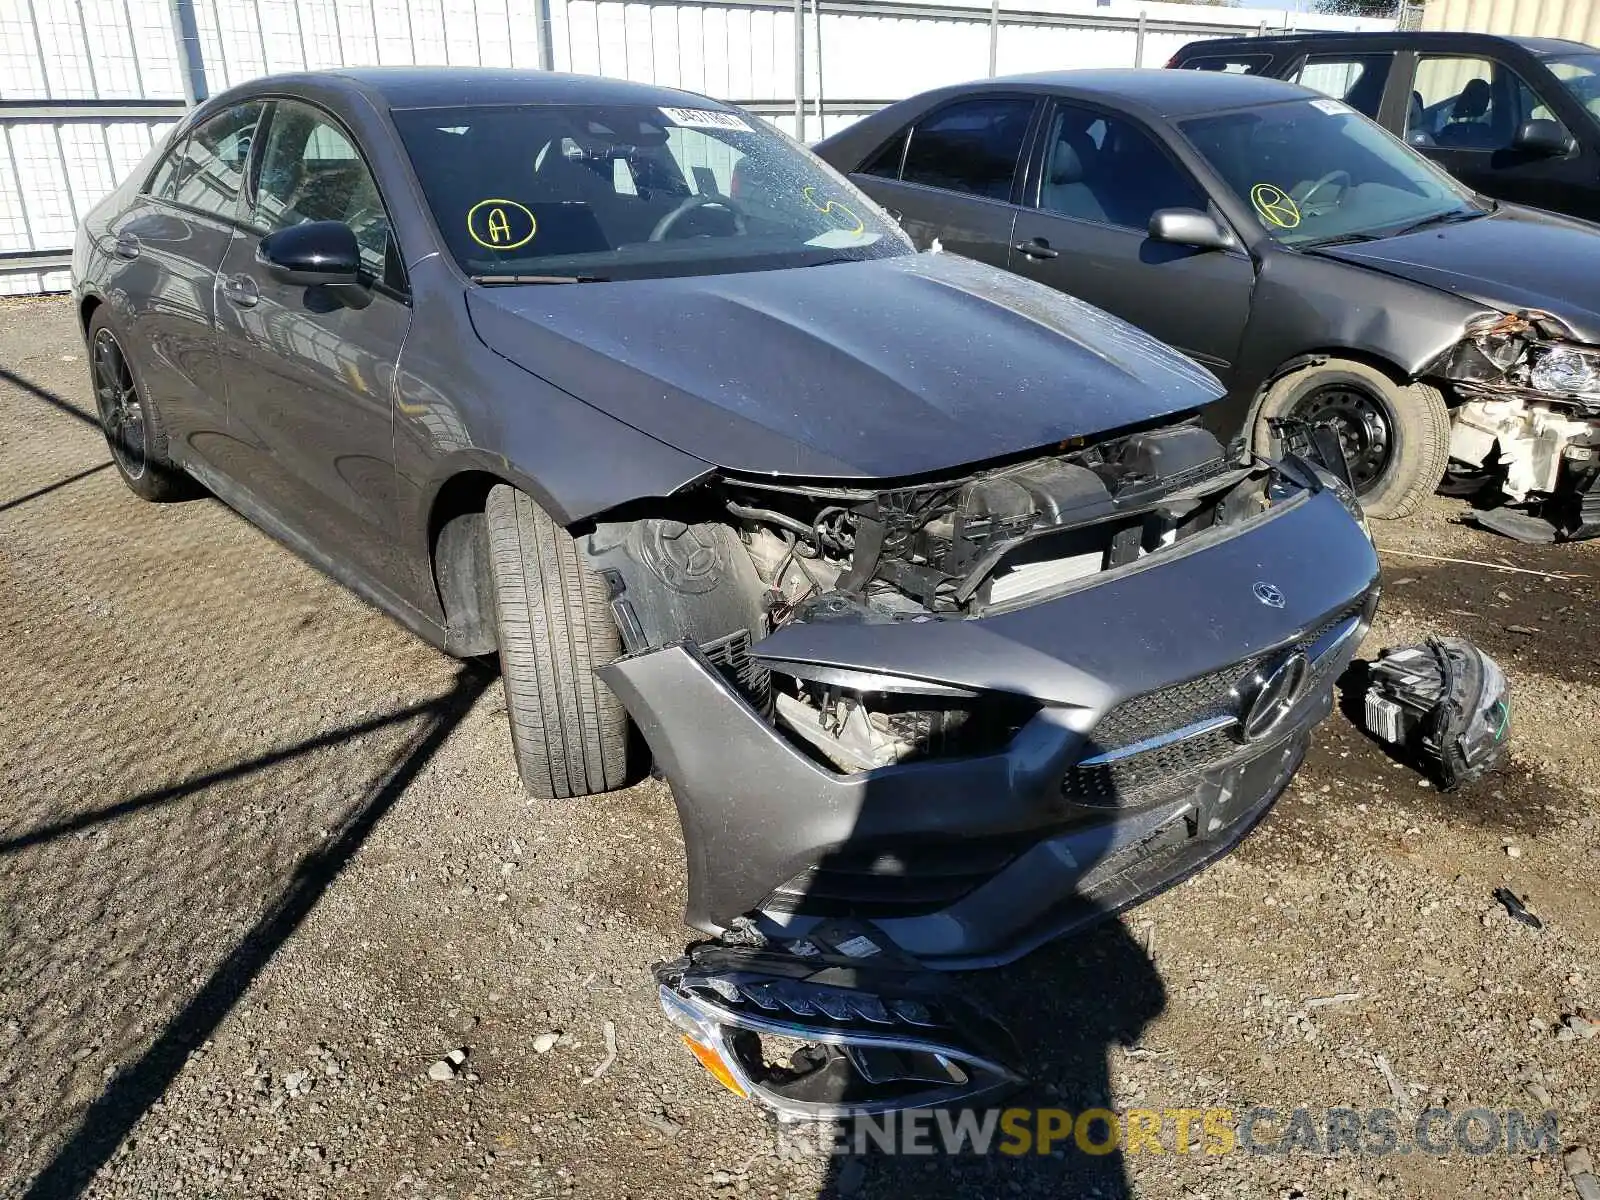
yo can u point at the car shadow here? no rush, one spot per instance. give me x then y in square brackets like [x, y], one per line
[131, 1091]
[1069, 1004]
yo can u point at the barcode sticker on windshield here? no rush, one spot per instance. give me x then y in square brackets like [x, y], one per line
[704, 118]
[1331, 107]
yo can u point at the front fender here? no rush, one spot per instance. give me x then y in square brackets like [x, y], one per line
[459, 407]
[1307, 305]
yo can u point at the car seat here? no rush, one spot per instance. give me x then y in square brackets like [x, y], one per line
[1066, 188]
[1468, 127]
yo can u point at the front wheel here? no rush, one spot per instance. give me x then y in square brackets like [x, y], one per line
[1396, 437]
[134, 432]
[553, 617]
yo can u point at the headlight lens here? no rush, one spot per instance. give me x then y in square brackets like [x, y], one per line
[1566, 371]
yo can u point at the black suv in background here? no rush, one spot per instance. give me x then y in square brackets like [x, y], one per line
[1517, 118]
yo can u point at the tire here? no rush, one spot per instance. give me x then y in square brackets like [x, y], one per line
[1416, 429]
[553, 618]
[130, 420]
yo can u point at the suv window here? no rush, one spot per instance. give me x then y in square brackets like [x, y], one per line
[206, 170]
[970, 146]
[1357, 79]
[1232, 64]
[310, 171]
[1105, 169]
[1467, 104]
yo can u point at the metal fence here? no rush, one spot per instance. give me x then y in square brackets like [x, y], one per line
[86, 86]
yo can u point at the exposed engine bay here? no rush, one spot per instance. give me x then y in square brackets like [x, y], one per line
[1528, 426]
[997, 539]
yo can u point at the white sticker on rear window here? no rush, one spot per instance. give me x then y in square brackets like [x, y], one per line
[704, 118]
[1331, 107]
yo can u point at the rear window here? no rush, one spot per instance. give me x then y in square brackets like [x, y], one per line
[1232, 64]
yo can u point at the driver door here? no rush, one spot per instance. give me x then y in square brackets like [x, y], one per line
[1085, 228]
[310, 378]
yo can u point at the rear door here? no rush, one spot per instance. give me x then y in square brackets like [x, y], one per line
[167, 247]
[311, 379]
[1464, 112]
[954, 174]
[1084, 230]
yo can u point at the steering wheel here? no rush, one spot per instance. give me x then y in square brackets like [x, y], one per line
[668, 222]
[1304, 201]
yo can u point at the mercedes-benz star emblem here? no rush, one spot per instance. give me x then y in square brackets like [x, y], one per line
[1270, 696]
[1268, 594]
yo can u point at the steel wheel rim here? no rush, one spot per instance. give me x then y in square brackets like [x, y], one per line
[121, 411]
[1366, 433]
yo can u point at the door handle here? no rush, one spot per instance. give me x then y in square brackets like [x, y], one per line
[126, 246]
[1037, 248]
[241, 291]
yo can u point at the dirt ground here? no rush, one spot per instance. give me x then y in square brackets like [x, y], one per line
[264, 859]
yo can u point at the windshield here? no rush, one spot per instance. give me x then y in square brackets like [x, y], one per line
[1580, 75]
[1315, 171]
[592, 192]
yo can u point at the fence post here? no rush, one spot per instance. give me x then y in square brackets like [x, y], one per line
[191, 64]
[1138, 41]
[816, 19]
[994, 37]
[546, 39]
[799, 70]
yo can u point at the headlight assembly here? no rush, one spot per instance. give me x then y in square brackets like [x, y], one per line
[1565, 371]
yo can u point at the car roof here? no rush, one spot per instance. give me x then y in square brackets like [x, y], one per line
[1162, 93]
[443, 87]
[1416, 38]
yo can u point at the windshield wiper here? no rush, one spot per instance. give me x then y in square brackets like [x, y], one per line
[1444, 218]
[1339, 239]
[494, 280]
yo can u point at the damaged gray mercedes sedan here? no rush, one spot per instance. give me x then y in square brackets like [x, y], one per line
[929, 592]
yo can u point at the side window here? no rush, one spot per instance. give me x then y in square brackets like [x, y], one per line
[885, 161]
[1357, 79]
[1467, 104]
[1230, 64]
[209, 170]
[164, 182]
[1105, 169]
[971, 146]
[310, 171]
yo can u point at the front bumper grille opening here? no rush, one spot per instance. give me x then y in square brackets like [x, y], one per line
[731, 656]
[891, 883]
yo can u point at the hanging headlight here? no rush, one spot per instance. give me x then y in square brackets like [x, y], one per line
[1565, 371]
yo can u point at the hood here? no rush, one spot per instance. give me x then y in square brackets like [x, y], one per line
[1515, 259]
[883, 369]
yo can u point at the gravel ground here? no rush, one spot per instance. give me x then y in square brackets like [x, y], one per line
[264, 861]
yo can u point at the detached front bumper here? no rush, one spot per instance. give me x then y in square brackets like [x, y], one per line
[1175, 703]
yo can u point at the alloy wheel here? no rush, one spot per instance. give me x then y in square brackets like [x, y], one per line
[121, 411]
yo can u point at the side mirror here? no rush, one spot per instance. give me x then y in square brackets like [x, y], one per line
[312, 254]
[1542, 138]
[1188, 227]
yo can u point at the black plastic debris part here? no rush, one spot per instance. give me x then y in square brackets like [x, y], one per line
[1518, 910]
[837, 1024]
[1514, 523]
[1445, 704]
